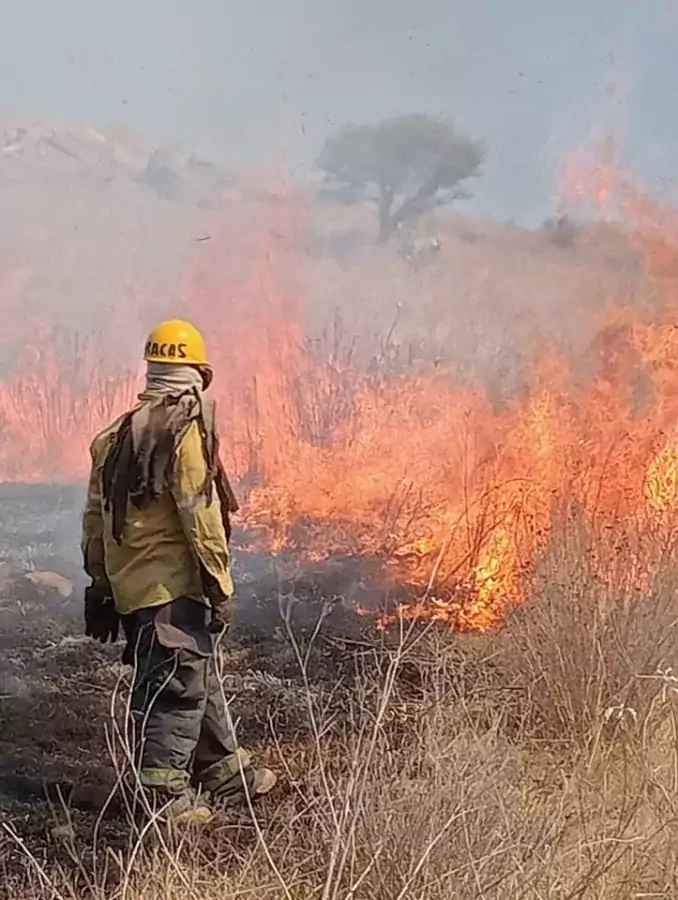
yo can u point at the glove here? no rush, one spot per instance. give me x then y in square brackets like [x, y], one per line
[222, 615]
[101, 618]
[221, 604]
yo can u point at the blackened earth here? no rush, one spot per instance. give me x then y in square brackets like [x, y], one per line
[56, 685]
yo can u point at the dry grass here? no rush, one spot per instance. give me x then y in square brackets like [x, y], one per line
[541, 762]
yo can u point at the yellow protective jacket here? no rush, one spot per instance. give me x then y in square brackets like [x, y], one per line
[163, 545]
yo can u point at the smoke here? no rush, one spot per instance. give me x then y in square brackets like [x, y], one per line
[371, 398]
[269, 82]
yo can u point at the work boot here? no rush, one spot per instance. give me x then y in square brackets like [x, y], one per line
[170, 790]
[234, 778]
[189, 808]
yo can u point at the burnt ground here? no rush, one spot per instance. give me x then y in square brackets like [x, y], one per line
[56, 686]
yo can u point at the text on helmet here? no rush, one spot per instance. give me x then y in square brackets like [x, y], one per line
[166, 351]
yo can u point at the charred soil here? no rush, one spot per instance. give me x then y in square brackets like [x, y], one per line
[538, 761]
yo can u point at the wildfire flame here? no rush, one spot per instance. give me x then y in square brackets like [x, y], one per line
[459, 495]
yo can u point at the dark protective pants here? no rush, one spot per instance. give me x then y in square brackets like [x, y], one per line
[180, 720]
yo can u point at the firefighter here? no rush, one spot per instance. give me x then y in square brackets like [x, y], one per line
[155, 544]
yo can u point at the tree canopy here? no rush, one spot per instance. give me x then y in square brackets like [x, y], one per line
[406, 166]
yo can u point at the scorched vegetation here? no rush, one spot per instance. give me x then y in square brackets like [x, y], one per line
[539, 762]
[494, 432]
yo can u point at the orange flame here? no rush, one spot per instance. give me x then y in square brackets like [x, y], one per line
[457, 495]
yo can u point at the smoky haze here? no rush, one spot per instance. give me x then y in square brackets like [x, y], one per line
[111, 221]
[475, 413]
[268, 80]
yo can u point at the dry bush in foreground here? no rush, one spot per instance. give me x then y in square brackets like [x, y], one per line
[540, 763]
[591, 650]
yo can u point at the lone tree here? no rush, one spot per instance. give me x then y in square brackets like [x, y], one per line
[407, 166]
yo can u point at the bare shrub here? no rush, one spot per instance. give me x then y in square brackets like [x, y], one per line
[593, 650]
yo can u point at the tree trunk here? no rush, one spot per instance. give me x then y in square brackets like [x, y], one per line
[386, 223]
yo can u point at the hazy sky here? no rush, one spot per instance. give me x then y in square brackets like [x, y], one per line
[266, 80]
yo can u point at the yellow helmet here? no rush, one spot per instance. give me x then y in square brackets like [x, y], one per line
[177, 342]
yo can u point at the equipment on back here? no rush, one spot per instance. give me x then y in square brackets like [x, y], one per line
[176, 342]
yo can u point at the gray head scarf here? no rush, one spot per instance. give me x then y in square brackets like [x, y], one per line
[136, 467]
[165, 378]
